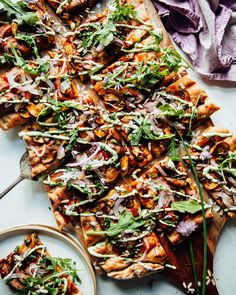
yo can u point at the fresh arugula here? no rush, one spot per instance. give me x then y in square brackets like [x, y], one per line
[100, 35]
[170, 111]
[126, 221]
[145, 130]
[30, 40]
[173, 151]
[189, 206]
[142, 75]
[18, 12]
[20, 62]
[53, 282]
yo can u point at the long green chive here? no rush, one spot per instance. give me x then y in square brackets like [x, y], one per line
[203, 215]
[194, 266]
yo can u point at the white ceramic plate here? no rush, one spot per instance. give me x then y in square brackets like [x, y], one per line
[58, 245]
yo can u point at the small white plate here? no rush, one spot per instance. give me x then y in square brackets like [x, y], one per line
[58, 245]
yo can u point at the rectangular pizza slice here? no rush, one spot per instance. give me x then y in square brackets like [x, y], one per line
[25, 30]
[214, 154]
[120, 236]
[146, 135]
[25, 95]
[59, 129]
[72, 12]
[106, 36]
[127, 83]
[167, 190]
[30, 269]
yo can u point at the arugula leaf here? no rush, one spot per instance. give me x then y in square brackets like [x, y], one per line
[173, 151]
[170, 111]
[126, 221]
[52, 281]
[122, 12]
[190, 206]
[20, 62]
[145, 131]
[17, 11]
[30, 40]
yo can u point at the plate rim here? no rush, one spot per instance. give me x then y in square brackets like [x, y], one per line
[63, 235]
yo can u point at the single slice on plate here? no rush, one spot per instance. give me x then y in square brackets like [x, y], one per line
[30, 269]
[214, 154]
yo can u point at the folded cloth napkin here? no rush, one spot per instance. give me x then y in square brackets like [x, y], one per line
[206, 31]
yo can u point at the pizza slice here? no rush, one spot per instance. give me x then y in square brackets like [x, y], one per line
[25, 31]
[89, 175]
[70, 188]
[24, 95]
[214, 154]
[144, 133]
[120, 236]
[168, 192]
[72, 12]
[182, 104]
[57, 134]
[104, 37]
[30, 269]
[127, 83]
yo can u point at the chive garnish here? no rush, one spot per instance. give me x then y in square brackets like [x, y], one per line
[203, 216]
[194, 266]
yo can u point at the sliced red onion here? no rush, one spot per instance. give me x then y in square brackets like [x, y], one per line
[117, 207]
[147, 245]
[34, 149]
[61, 151]
[161, 170]
[85, 161]
[232, 181]
[32, 268]
[11, 76]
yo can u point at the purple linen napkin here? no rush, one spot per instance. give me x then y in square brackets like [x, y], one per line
[206, 31]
